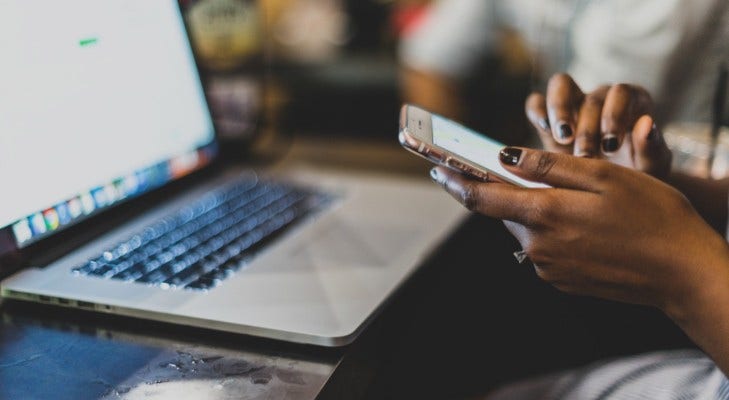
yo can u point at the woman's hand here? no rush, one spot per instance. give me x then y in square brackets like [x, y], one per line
[603, 230]
[611, 232]
[612, 122]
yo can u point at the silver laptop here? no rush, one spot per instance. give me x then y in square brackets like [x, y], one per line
[115, 198]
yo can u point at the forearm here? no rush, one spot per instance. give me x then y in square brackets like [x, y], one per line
[708, 196]
[705, 318]
[712, 336]
[432, 91]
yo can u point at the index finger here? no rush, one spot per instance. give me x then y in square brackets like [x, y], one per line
[498, 200]
[558, 170]
[624, 104]
[563, 101]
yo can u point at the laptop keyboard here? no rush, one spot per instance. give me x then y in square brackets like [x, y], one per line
[207, 241]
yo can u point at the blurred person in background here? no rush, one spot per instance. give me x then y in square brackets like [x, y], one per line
[672, 47]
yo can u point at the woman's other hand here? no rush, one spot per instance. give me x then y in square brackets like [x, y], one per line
[612, 122]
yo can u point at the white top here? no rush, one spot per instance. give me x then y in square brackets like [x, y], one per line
[671, 47]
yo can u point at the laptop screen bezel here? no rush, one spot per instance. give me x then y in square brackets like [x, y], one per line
[13, 257]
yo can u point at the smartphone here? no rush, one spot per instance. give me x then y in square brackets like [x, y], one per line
[448, 143]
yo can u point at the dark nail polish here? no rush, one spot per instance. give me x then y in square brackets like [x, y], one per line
[565, 131]
[510, 155]
[544, 124]
[434, 174]
[610, 144]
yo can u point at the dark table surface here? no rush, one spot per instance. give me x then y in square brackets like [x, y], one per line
[469, 319]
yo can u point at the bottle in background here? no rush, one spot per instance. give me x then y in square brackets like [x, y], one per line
[228, 40]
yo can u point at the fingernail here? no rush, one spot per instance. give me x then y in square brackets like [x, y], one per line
[434, 174]
[610, 144]
[565, 131]
[510, 155]
[544, 124]
[653, 134]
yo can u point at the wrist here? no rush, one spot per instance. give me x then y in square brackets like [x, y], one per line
[705, 293]
[704, 317]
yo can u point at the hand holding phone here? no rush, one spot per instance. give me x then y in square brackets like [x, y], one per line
[445, 142]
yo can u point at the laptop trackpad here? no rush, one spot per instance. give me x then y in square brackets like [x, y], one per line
[339, 241]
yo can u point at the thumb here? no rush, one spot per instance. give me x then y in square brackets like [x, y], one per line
[651, 154]
[554, 169]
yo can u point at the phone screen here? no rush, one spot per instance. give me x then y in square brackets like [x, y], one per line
[474, 147]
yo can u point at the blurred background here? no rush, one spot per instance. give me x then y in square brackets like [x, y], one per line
[342, 68]
[329, 68]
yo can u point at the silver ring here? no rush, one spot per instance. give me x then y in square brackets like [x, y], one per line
[520, 256]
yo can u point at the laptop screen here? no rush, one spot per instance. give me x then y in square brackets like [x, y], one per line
[100, 101]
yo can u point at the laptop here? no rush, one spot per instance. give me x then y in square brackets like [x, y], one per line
[116, 200]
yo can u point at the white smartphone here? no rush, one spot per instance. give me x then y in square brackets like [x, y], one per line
[445, 142]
